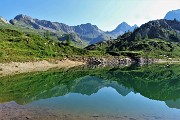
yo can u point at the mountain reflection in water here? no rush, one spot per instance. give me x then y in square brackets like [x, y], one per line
[156, 82]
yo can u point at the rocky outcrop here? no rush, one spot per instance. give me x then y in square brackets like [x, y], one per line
[104, 61]
[112, 61]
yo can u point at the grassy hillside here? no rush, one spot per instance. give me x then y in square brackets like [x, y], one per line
[155, 39]
[154, 48]
[20, 46]
[53, 35]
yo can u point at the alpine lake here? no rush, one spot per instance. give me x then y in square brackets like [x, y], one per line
[149, 92]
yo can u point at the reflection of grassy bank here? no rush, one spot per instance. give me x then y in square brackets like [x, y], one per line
[158, 82]
[34, 86]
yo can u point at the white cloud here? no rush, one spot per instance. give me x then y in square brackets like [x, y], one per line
[151, 10]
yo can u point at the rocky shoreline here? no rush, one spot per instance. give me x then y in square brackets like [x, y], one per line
[116, 61]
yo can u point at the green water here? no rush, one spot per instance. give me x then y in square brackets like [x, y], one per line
[147, 92]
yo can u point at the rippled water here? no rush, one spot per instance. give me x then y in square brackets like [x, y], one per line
[147, 92]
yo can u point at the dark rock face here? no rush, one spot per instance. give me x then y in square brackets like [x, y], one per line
[175, 14]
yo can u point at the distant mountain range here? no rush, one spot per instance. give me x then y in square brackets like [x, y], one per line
[84, 32]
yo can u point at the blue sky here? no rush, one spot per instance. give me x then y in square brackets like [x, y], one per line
[106, 14]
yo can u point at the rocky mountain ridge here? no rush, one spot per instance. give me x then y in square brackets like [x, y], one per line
[168, 30]
[88, 32]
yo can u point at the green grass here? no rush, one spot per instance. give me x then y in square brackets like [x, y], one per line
[151, 48]
[19, 46]
[53, 35]
[16, 45]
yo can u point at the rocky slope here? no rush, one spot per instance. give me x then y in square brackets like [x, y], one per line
[163, 29]
[3, 21]
[174, 14]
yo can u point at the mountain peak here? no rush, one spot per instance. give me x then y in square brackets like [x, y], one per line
[174, 14]
[88, 25]
[21, 16]
[122, 28]
[123, 23]
[135, 26]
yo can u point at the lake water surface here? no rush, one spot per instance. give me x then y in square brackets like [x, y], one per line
[133, 93]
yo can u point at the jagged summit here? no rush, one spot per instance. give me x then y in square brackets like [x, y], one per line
[121, 29]
[21, 16]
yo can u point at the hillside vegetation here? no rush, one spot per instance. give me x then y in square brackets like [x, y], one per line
[20, 46]
[156, 39]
